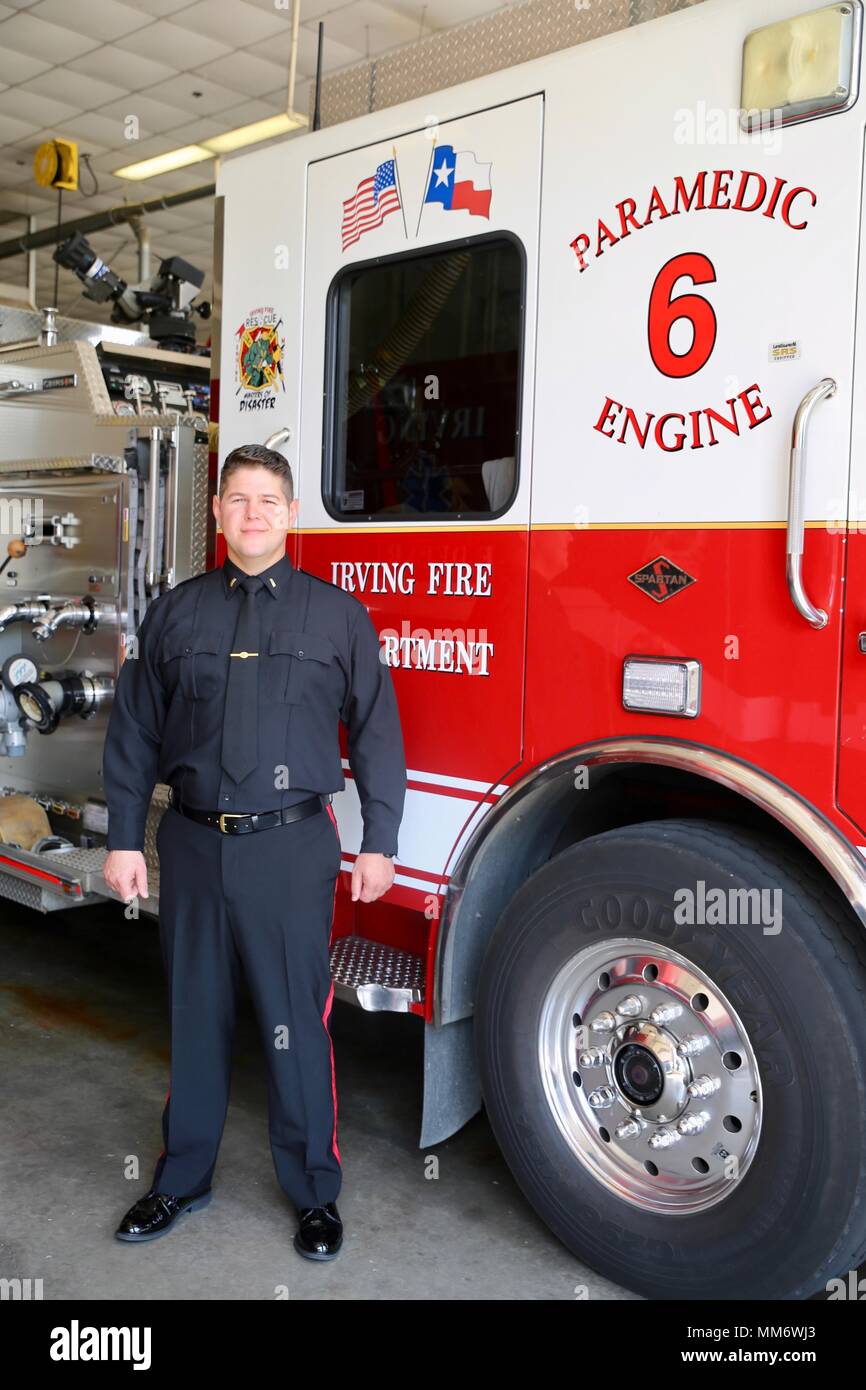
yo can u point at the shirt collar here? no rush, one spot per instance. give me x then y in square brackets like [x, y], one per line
[276, 578]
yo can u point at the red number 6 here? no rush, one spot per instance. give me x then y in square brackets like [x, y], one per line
[665, 311]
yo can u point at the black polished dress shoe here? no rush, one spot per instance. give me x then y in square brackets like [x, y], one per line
[155, 1213]
[320, 1232]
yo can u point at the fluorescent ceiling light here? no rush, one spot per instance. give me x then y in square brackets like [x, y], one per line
[259, 130]
[271, 126]
[164, 163]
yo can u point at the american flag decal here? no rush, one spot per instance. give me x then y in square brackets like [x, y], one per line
[371, 202]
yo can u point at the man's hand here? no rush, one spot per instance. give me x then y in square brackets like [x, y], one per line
[372, 876]
[126, 872]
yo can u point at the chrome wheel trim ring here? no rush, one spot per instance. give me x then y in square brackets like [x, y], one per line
[676, 1152]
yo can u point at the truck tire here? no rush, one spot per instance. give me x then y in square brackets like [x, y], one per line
[761, 1191]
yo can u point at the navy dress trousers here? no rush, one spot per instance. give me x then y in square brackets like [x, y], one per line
[244, 734]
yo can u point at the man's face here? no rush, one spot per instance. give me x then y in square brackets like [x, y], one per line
[254, 513]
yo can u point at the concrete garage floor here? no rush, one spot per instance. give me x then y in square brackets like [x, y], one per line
[85, 1070]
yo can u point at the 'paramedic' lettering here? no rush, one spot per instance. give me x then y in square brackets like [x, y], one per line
[671, 430]
[754, 193]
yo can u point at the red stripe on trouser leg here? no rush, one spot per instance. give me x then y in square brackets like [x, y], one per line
[325, 1017]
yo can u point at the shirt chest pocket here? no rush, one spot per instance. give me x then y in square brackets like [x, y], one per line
[194, 664]
[302, 666]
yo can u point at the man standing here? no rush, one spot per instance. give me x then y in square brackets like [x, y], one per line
[233, 696]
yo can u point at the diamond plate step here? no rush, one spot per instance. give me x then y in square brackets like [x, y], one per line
[379, 978]
[58, 879]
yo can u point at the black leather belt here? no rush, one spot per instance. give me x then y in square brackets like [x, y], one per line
[244, 822]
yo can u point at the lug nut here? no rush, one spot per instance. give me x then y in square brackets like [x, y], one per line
[630, 1007]
[605, 1023]
[595, 1058]
[664, 1138]
[703, 1086]
[602, 1098]
[666, 1013]
[629, 1129]
[692, 1045]
[693, 1124]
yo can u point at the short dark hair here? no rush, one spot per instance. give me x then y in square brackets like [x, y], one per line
[257, 456]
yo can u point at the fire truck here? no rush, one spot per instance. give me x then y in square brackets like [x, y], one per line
[565, 362]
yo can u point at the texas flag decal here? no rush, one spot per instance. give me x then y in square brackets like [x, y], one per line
[459, 181]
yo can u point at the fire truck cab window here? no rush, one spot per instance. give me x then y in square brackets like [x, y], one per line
[421, 414]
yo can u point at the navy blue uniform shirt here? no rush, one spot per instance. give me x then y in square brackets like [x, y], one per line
[318, 664]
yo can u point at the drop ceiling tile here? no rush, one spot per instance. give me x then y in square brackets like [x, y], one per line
[16, 161]
[73, 87]
[12, 132]
[334, 55]
[234, 22]
[130, 70]
[100, 19]
[167, 222]
[161, 39]
[159, 9]
[194, 176]
[132, 153]
[27, 106]
[26, 201]
[153, 116]
[69, 131]
[12, 183]
[249, 73]
[316, 9]
[53, 43]
[250, 111]
[188, 217]
[369, 27]
[104, 165]
[92, 128]
[17, 67]
[196, 131]
[117, 188]
[97, 202]
[303, 87]
[213, 96]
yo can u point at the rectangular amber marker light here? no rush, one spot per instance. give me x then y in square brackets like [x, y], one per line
[802, 68]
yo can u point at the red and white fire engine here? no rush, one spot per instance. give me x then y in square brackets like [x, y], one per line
[569, 365]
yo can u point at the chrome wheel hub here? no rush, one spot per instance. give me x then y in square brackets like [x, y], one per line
[650, 1076]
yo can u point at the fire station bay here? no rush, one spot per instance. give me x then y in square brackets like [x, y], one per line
[433, 666]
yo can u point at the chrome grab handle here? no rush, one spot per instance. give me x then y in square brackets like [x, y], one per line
[279, 437]
[170, 522]
[816, 617]
[155, 435]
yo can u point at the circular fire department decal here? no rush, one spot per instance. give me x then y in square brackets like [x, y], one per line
[259, 360]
